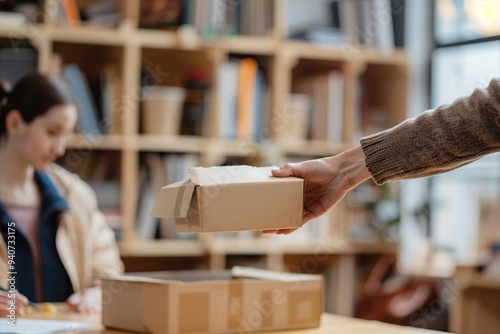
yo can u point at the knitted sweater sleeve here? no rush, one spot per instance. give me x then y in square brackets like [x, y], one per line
[437, 140]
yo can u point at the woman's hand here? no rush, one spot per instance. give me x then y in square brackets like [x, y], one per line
[10, 306]
[327, 181]
[89, 300]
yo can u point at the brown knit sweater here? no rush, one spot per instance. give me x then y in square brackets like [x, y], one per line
[437, 140]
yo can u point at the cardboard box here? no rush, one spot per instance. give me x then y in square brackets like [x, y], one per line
[232, 198]
[243, 300]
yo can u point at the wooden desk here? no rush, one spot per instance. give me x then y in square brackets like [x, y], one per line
[330, 323]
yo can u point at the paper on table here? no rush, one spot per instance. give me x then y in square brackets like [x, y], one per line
[30, 326]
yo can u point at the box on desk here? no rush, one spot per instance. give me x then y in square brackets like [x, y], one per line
[241, 300]
[232, 198]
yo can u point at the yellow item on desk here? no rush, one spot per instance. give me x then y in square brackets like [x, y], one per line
[45, 308]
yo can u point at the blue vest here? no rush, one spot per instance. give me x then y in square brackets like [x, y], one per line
[56, 285]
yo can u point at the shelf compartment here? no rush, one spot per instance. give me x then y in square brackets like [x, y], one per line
[382, 102]
[318, 102]
[176, 85]
[101, 68]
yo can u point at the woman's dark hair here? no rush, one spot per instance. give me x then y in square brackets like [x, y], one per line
[33, 95]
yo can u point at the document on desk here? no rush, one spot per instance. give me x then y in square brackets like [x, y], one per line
[31, 326]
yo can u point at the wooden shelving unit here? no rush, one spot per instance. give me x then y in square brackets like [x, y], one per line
[127, 47]
[476, 301]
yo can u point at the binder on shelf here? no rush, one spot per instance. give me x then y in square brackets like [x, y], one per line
[335, 111]
[385, 34]
[369, 23]
[70, 12]
[227, 98]
[152, 178]
[87, 112]
[246, 91]
[259, 107]
[326, 88]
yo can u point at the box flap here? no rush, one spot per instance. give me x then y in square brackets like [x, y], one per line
[233, 174]
[173, 200]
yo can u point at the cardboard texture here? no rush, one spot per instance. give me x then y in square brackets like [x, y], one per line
[232, 198]
[243, 300]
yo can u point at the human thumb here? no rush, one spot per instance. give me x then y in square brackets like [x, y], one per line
[283, 171]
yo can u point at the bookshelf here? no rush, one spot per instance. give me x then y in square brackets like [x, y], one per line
[169, 53]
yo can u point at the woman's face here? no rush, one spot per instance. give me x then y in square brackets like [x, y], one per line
[42, 141]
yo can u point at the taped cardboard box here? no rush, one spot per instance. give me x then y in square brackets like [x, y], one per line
[243, 300]
[232, 198]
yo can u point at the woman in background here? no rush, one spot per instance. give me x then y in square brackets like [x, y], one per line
[53, 235]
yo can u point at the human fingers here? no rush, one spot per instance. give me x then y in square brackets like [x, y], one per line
[286, 231]
[280, 231]
[88, 307]
[308, 217]
[12, 302]
[74, 299]
[285, 170]
[89, 300]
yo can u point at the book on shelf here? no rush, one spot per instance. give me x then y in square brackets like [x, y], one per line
[335, 111]
[160, 14]
[227, 98]
[152, 177]
[246, 91]
[326, 89]
[242, 100]
[95, 96]
[88, 122]
[68, 12]
[384, 33]
[375, 24]
[104, 86]
[320, 35]
[103, 13]
[213, 18]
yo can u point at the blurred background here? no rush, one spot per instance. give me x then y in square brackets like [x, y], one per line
[164, 85]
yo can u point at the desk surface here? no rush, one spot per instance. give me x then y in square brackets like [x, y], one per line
[330, 323]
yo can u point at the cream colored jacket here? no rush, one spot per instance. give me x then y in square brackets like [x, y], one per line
[84, 240]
